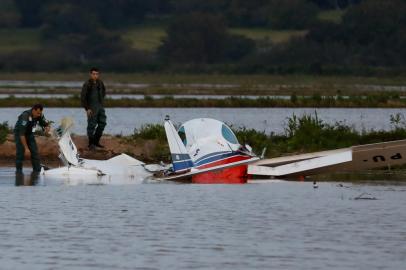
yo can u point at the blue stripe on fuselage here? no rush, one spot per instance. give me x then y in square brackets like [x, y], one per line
[182, 165]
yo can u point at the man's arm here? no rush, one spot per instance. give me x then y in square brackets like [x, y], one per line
[83, 96]
[24, 141]
[21, 128]
[22, 122]
[44, 124]
[103, 89]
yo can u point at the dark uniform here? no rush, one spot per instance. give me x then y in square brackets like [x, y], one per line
[92, 97]
[25, 126]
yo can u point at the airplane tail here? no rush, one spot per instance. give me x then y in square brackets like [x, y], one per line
[69, 152]
[181, 160]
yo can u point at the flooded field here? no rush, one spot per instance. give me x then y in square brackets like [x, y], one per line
[203, 84]
[273, 225]
[125, 120]
[134, 96]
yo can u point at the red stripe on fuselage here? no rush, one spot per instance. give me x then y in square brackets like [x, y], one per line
[233, 175]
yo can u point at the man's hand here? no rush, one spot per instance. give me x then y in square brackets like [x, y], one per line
[24, 143]
[89, 113]
[47, 130]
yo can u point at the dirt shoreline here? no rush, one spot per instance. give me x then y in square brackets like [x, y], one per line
[49, 150]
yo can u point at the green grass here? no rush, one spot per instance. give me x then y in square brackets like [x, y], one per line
[12, 40]
[334, 16]
[149, 37]
[263, 34]
[145, 37]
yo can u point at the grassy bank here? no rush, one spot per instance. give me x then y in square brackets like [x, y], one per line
[383, 100]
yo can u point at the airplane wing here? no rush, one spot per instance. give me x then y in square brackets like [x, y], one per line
[354, 158]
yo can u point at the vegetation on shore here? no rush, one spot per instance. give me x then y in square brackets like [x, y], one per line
[302, 134]
[159, 149]
[4, 130]
[378, 100]
[309, 133]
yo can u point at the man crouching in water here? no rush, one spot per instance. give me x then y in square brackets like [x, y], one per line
[24, 136]
[92, 97]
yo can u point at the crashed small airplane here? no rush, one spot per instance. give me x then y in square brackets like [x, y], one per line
[207, 151]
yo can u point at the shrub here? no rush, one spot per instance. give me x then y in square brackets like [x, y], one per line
[150, 132]
[4, 130]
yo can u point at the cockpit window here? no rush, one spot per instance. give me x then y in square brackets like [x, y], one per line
[182, 135]
[228, 134]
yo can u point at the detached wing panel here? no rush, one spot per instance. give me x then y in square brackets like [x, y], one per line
[303, 166]
[347, 159]
[378, 155]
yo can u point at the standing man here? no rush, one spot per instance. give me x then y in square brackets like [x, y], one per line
[24, 136]
[92, 96]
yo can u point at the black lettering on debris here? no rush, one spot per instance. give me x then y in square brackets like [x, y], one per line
[378, 158]
[397, 156]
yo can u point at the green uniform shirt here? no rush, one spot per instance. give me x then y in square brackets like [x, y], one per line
[92, 95]
[26, 123]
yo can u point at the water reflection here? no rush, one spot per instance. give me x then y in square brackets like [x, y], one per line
[27, 180]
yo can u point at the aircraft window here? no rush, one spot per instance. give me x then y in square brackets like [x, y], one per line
[228, 134]
[182, 135]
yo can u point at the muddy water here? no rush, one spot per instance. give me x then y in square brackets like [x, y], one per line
[275, 225]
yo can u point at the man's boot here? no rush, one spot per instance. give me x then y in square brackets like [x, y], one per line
[97, 141]
[91, 143]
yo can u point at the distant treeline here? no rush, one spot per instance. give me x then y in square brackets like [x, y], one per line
[369, 39]
[124, 13]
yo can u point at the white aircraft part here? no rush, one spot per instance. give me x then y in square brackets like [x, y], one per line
[85, 170]
[68, 149]
[272, 162]
[72, 171]
[118, 165]
[176, 145]
[121, 165]
[204, 136]
[301, 166]
[181, 160]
